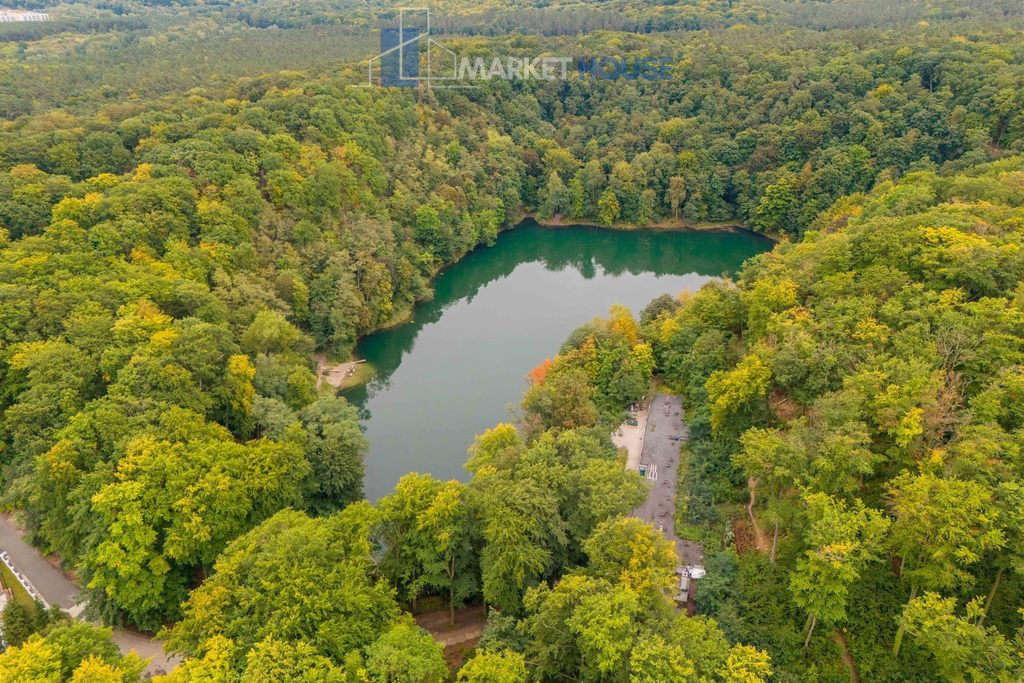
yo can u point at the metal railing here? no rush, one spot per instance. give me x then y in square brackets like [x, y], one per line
[22, 579]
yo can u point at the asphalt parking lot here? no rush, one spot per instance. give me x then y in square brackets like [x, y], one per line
[659, 460]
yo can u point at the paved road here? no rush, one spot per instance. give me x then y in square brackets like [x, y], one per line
[58, 589]
[160, 662]
[55, 587]
[662, 439]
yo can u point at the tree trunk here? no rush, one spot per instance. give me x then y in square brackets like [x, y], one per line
[775, 541]
[810, 630]
[451, 590]
[903, 626]
[1003, 121]
[991, 596]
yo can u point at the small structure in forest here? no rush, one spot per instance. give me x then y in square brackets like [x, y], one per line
[688, 576]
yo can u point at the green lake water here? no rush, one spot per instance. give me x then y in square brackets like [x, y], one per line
[458, 366]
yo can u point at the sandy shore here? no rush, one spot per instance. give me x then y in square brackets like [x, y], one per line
[342, 375]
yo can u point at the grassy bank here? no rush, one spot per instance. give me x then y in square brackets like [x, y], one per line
[8, 580]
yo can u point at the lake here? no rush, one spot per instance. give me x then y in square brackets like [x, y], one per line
[458, 366]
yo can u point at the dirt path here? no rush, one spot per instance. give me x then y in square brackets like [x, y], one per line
[469, 625]
[844, 652]
[760, 542]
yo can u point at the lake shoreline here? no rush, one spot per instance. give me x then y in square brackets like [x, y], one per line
[554, 223]
[558, 221]
[461, 362]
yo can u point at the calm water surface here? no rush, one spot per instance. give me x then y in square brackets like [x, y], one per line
[459, 365]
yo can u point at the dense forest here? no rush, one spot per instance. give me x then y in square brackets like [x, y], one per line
[859, 392]
[193, 201]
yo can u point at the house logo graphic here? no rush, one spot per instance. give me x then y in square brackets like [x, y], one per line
[408, 51]
[399, 61]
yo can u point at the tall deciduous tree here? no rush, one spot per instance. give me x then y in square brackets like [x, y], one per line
[842, 540]
[941, 526]
[608, 207]
[334, 446]
[405, 653]
[407, 542]
[485, 666]
[524, 535]
[631, 552]
[962, 647]
[676, 194]
[448, 559]
[293, 579]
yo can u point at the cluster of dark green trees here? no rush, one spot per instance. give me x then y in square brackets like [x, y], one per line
[68, 650]
[47, 645]
[768, 128]
[20, 619]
